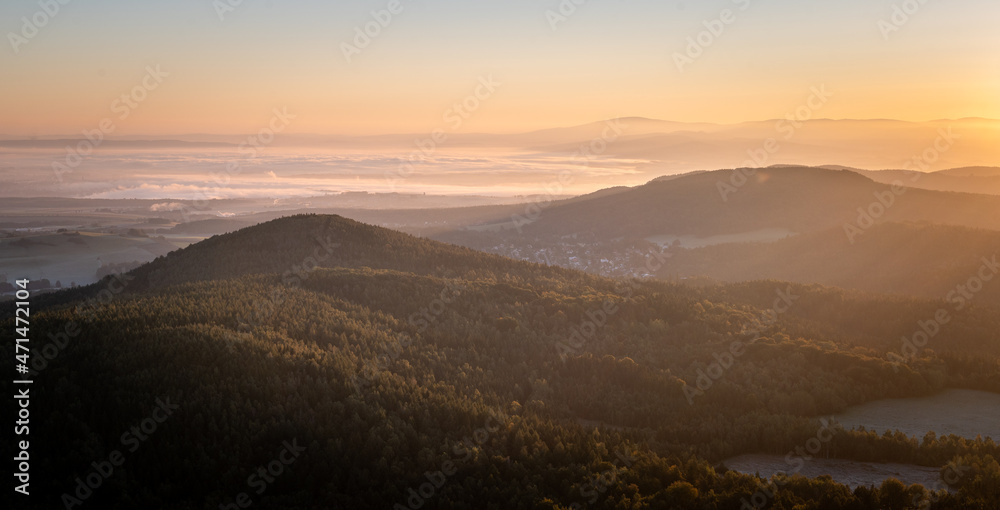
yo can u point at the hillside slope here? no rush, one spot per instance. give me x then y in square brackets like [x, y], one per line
[917, 259]
[405, 365]
[294, 245]
[800, 199]
[984, 180]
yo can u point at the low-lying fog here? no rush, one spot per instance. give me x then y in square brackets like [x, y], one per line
[229, 172]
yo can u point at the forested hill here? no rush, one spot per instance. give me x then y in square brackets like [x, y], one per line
[294, 245]
[412, 374]
[799, 199]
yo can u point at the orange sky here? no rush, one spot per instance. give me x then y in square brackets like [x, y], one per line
[603, 60]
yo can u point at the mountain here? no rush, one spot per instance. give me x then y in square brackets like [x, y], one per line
[806, 225]
[364, 368]
[984, 180]
[972, 171]
[301, 242]
[799, 199]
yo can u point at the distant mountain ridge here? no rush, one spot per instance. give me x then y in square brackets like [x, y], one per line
[977, 179]
[801, 199]
[808, 225]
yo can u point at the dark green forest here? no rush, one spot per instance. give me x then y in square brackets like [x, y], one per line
[371, 369]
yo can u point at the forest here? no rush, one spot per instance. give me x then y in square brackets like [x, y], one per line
[317, 362]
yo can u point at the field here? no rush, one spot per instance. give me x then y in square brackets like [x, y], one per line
[849, 472]
[965, 413]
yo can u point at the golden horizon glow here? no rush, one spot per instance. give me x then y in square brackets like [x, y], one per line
[603, 61]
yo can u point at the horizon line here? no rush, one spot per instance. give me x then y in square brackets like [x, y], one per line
[7, 137]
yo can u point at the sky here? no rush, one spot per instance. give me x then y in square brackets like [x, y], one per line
[225, 66]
